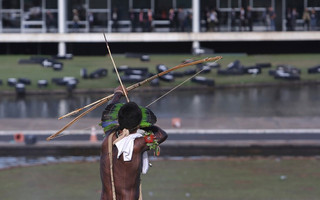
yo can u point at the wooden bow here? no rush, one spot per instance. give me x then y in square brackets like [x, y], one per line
[132, 87]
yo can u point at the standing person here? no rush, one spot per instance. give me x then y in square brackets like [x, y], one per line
[133, 21]
[124, 149]
[242, 17]
[75, 20]
[249, 18]
[181, 18]
[233, 19]
[149, 20]
[91, 21]
[141, 20]
[313, 19]
[306, 19]
[172, 20]
[50, 21]
[289, 18]
[115, 19]
[272, 16]
[213, 20]
[294, 17]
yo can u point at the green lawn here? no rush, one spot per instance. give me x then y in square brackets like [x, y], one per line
[9, 67]
[206, 179]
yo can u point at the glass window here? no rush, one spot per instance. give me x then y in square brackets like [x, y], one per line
[261, 4]
[208, 4]
[11, 4]
[51, 4]
[184, 3]
[313, 3]
[162, 8]
[298, 4]
[32, 10]
[141, 4]
[235, 4]
[11, 20]
[78, 5]
[122, 8]
[100, 20]
[224, 4]
[98, 4]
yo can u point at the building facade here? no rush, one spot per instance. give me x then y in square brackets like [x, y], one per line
[42, 16]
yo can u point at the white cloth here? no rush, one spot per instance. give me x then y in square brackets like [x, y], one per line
[125, 147]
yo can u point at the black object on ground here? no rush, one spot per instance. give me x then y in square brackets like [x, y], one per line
[84, 73]
[203, 81]
[12, 82]
[57, 66]
[64, 80]
[286, 72]
[42, 83]
[99, 73]
[263, 65]
[143, 71]
[234, 68]
[20, 89]
[132, 78]
[24, 81]
[314, 70]
[30, 139]
[145, 58]
[252, 70]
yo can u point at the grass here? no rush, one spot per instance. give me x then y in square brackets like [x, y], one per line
[9, 67]
[206, 179]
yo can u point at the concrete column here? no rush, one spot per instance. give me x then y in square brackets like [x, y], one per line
[62, 25]
[195, 21]
[62, 49]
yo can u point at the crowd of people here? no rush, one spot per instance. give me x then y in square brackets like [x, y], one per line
[243, 19]
[309, 18]
[180, 20]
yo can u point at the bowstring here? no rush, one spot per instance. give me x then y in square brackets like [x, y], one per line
[165, 94]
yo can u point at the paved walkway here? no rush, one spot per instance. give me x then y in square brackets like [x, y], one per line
[214, 123]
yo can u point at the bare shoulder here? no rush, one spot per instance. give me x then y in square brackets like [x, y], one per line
[140, 144]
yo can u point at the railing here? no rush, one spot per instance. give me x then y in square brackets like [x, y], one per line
[33, 27]
[126, 26]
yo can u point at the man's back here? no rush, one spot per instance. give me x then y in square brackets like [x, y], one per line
[126, 173]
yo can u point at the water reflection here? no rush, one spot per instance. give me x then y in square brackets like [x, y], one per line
[250, 102]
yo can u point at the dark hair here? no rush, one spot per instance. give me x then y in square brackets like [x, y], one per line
[129, 116]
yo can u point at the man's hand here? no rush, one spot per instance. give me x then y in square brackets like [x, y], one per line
[119, 89]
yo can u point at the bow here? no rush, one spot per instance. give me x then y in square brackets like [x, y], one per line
[115, 68]
[132, 87]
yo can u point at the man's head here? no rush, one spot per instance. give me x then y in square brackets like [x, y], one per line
[129, 116]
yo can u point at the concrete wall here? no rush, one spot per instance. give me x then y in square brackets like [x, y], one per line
[159, 37]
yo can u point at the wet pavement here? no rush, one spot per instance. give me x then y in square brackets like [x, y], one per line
[217, 123]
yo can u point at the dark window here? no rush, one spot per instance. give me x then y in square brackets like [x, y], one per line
[51, 4]
[11, 4]
[32, 10]
[142, 4]
[224, 4]
[98, 4]
[261, 4]
[208, 4]
[235, 4]
[162, 8]
[313, 3]
[184, 3]
[122, 7]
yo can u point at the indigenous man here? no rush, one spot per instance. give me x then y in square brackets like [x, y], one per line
[126, 143]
